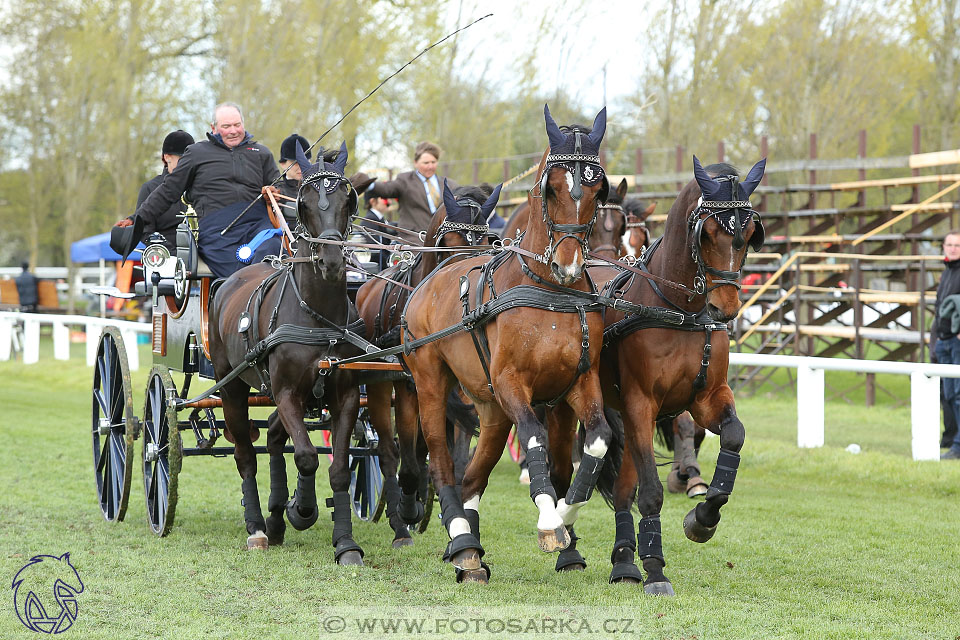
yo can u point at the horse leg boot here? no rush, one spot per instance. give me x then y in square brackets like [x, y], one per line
[701, 522]
[302, 510]
[279, 494]
[622, 558]
[346, 550]
[252, 514]
[464, 551]
[570, 559]
[650, 549]
[392, 496]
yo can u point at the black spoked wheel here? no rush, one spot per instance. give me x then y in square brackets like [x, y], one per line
[366, 484]
[162, 452]
[113, 425]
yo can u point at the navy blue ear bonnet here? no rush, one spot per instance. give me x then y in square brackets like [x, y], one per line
[465, 208]
[325, 175]
[729, 199]
[569, 145]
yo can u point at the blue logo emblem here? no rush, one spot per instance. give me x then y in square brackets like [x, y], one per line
[45, 593]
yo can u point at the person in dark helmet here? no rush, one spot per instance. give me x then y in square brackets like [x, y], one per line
[165, 223]
[292, 176]
[223, 177]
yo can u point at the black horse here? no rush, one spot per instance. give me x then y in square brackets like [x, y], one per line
[288, 316]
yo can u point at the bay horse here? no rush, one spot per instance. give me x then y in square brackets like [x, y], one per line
[541, 346]
[657, 369]
[638, 234]
[288, 316]
[459, 221]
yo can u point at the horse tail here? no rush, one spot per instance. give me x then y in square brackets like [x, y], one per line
[665, 432]
[613, 458]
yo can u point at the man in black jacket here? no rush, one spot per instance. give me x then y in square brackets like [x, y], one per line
[221, 176]
[947, 348]
[26, 284]
[166, 223]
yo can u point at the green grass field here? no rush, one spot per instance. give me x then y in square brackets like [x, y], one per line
[813, 544]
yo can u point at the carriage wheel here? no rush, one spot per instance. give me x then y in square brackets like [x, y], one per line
[162, 451]
[113, 425]
[366, 484]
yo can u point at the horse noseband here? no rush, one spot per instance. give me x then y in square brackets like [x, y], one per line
[731, 223]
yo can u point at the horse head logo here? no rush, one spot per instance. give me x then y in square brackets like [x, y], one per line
[45, 593]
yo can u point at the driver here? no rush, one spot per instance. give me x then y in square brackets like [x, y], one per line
[221, 176]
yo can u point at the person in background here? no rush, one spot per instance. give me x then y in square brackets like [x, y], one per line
[174, 145]
[373, 222]
[418, 192]
[27, 289]
[292, 176]
[946, 327]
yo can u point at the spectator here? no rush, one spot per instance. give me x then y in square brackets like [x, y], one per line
[418, 192]
[27, 289]
[221, 177]
[946, 327]
[373, 222]
[292, 176]
[167, 222]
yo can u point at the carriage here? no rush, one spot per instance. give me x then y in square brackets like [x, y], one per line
[174, 426]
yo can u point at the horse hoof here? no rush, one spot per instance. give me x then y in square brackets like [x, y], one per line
[350, 559]
[696, 531]
[659, 589]
[480, 576]
[553, 540]
[258, 540]
[466, 560]
[696, 487]
[674, 483]
[573, 567]
[399, 543]
[625, 573]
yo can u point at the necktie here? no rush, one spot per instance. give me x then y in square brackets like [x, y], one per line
[434, 196]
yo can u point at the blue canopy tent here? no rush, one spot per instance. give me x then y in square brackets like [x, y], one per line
[97, 248]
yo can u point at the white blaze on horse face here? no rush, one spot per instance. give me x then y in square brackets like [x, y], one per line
[569, 177]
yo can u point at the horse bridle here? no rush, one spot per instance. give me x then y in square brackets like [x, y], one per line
[324, 182]
[731, 224]
[563, 161]
[473, 232]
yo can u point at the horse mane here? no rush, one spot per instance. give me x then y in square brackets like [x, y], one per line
[632, 205]
[474, 192]
[721, 169]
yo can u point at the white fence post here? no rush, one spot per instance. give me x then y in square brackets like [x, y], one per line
[93, 341]
[925, 416]
[6, 337]
[61, 341]
[31, 341]
[809, 407]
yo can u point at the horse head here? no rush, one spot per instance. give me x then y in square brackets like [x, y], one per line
[721, 225]
[467, 210]
[325, 204]
[572, 184]
[607, 236]
[638, 234]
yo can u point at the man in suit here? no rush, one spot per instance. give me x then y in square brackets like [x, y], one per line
[418, 192]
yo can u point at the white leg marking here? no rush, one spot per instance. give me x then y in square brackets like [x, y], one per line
[532, 444]
[568, 512]
[472, 503]
[548, 520]
[459, 526]
[597, 449]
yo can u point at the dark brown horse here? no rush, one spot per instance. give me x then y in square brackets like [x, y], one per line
[656, 369]
[606, 240]
[294, 315]
[541, 347]
[460, 221]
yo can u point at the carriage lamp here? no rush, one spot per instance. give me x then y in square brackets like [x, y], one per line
[155, 256]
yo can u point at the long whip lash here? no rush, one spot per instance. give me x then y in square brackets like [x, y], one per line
[383, 82]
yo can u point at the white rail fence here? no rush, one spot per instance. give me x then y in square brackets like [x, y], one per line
[22, 330]
[924, 394]
[924, 377]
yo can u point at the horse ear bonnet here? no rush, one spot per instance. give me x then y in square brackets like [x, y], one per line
[721, 189]
[564, 143]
